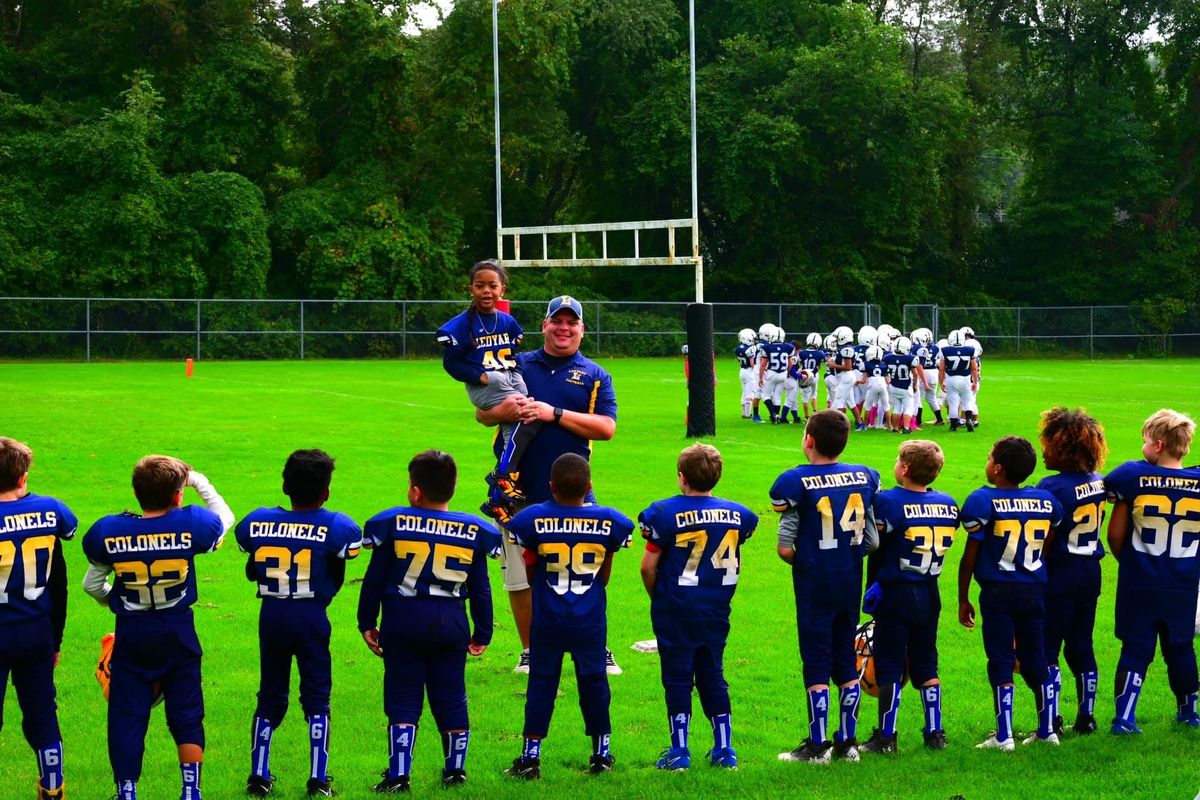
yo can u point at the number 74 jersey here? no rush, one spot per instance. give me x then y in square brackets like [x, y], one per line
[1011, 526]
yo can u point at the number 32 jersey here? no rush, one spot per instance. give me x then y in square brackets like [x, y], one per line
[298, 555]
[1011, 525]
[1163, 551]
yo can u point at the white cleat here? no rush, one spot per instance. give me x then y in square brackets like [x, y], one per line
[992, 743]
[523, 664]
[1034, 739]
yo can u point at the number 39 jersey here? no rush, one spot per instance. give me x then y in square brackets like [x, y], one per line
[29, 528]
[152, 558]
[916, 530]
[569, 545]
[1163, 551]
[700, 539]
[1011, 526]
[298, 555]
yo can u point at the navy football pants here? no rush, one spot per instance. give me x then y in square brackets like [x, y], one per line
[547, 646]
[1014, 610]
[1071, 620]
[702, 666]
[290, 629]
[27, 654]
[425, 651]
[1147, 617]
[906, 632]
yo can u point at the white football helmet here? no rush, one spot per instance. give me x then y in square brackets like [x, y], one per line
[843, 335]
[831, 343]
[967, 331]
[922, 336]
[779, 335]
[874, 353]
[903, 345]
[886, 331]
[867, 335]
[955, 338]
[746, 336]
[764, 331]
[813, 340]
[943, 344]
[884, 344]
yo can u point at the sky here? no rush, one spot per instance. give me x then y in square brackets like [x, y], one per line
[427, 12]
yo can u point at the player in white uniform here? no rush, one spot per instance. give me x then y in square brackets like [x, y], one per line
[959, 373]
[843, 363]
[904, 374]
[969, 338]
[774, 363]
[832, 378]
[926, 352]
[747, 356]
[874, 382]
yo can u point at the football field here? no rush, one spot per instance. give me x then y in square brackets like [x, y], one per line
[236, 422]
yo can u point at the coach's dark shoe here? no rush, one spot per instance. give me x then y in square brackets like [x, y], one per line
[259, 786]
[320, 788]
[810, 753]
[392, 785]
[1085, 724]
[935, 740]
[454, 777]
[880, 744]
[599, 764]
[529, 769]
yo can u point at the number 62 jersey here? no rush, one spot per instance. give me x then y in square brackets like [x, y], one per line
[1163, 551]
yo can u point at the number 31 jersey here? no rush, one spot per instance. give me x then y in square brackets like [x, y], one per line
[297, 555]
[700, 539]
[1011, 525]
[1163, 551]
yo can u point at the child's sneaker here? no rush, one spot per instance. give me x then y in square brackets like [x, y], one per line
[1085, 724]
[454, 777]
[610, 663]
[723, 757]
[523, 662]
[392, 785]
[529, 769]
[1122, 728]
[935, 740]
[992, 743]
[1035, 739]
[809, 752]
[880, 744]
[505, 484]
[1189, 718]
[50, 794]
[675, 759]
[599, 764]
[320, 788]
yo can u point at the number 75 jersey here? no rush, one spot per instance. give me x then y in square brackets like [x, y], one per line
[1011, 526]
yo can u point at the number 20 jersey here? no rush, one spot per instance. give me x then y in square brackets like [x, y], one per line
[152, 558]
[1011, 525]
[570, 544]
[292, 550]
[1077, 546]
[29, 527]
[700, 539]
[1163, 551]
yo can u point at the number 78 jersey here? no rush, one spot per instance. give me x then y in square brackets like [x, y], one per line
[1011, 526]
[700, 540]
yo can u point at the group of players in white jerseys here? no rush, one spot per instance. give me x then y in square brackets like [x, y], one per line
[881, 380]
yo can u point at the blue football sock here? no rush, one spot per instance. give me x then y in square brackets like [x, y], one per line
[50, 770]
[600, 744]
[1187, 706]
[126, 790]
[189, 775]
[318, 745]
[533, 749]
[400, 749]
[1047, 705]
[1004, 708]
[722, 727]
[1086, 684]
[679, 730]
[848, 713]
[260, 748]
[1127, 698]
[1055, 677]
[889, 708]
[454, 748]
[931, 696]
[818, 715]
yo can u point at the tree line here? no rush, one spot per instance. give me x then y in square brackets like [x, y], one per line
[894, 151]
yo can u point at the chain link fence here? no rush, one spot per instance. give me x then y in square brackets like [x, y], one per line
[1091, 331]
[82, 329]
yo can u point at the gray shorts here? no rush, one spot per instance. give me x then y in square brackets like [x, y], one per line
[516, 579]
[501, 385]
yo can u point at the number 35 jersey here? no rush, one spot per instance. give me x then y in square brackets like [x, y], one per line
[569, 545]
[700, 539]
[29, 528]
[916, 530]
[1011, 525]
[1163, 551]
[152, 558]
[298, 555]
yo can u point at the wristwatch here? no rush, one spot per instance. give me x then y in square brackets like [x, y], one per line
[558, 412]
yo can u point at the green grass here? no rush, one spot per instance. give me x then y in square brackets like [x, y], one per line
[89, 423]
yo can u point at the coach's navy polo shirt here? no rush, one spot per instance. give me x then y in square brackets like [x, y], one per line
[573, 383]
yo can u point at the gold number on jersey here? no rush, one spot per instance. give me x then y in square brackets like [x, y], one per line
[853, 521]
[281, 572]
[1034, 533]
[567, 566]
[447, 581]
[150, 582]
[1163, 534]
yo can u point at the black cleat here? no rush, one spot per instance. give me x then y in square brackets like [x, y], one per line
[811, 753]
[1085, 724]
[320, 788]
[392, 785]
[454, 777]
[847, 750]
[935, 740]
[1058, 724]
[529, 769]
[970, 425]
[880, 744]
[599, 764]
[259, 786]
[953, 425]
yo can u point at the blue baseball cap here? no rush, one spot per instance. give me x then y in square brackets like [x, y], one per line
[564, 301]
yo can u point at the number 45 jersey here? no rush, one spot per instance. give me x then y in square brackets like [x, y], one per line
[152, 558]
[1163, 551]
[298, 555]
[570, 544]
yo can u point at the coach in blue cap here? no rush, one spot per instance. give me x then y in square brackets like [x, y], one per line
[573, 397]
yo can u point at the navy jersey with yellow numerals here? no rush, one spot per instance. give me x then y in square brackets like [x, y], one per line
[152, 558]
[475, 343]
[700, 539]
[570, 544]
[916, 530]
[1082, 497]
[430, 553]
[1163, 551]
[298, 555]
[29, 529]
[1011, 526]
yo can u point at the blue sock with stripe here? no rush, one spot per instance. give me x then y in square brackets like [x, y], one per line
[318, 745]
[722, 727]
[454, 749]
[260, 748]
[1086, 685]
[889, 709]
[1186, 703]
[400, 749]
[532, 749]
[1127, 698]
[1047, 707]
[848, 713]
[189, 775]
[679, 730]
[50, 770]
[818, 715]
[931, 698]
[1003, 699]
[126, 790]
[1055, 678]
[600, 744]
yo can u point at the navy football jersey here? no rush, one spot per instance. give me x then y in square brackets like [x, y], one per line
[428, 553]
[746, 355]
[1011, 525]
[860, 357]
[810, 360]
[874, 369]
[958, 360]
[152, 559]
[570, 544]
[298, 555]
[916, 530]
[1082, 497]
[1163, 551]
[928, 356]
[475, 343]
[828, 513]
[900, 369]
[700, 539]
[29, 528]
[778, 356]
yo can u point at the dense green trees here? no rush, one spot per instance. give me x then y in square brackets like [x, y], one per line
[886, 150]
